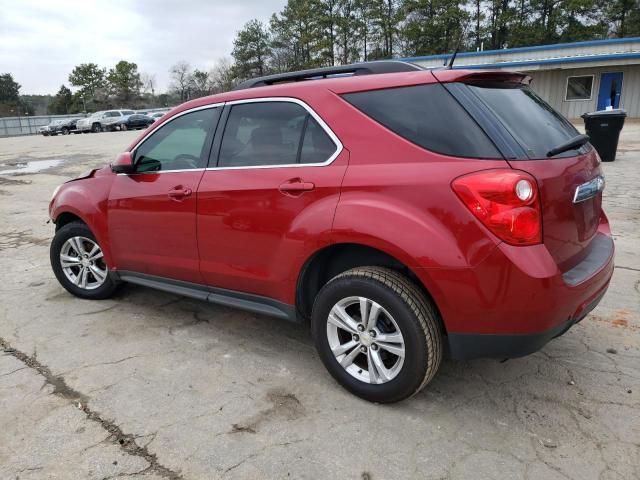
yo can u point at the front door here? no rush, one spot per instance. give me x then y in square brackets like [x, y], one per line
[610, 90]
[270, 198]
[152, 212]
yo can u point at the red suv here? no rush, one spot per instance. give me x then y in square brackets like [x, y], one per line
[401, 211]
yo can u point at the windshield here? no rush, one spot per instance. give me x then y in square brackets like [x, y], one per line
[533, 123]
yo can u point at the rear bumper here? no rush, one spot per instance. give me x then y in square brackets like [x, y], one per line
[466, 346]
[517, 299]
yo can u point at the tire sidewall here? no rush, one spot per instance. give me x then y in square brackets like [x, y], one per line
[414, 367]
[62, 235]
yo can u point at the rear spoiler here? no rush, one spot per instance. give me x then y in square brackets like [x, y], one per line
[482, 76]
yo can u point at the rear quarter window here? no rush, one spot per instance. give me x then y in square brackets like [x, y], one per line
[533, 123]
[429, 116]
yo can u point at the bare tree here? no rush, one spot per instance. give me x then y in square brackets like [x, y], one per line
[148, 83]
[222, 75]
[181, 79]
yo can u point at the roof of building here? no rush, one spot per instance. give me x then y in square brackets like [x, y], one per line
[616, 50]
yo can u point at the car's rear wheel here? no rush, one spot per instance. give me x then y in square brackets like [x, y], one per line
[377, 334]
[78, 262]
[123, 127]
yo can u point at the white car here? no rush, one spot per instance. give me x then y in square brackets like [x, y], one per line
[101, 121]
[157, 115]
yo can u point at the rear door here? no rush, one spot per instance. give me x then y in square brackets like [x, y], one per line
[535, 128]
[269, 196]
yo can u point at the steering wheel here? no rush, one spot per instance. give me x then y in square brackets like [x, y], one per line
[185, 161]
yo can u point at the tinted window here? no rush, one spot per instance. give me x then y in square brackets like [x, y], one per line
[180, 144]
[128, 112]
[530, 120]
[317, 146]
[429, 116]
[265, 133]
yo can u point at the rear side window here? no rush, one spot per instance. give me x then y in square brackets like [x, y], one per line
[317, 146]
[428, 116]
[272, 134]
[535, 125]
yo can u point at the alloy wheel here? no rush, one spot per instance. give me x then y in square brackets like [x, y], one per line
[365, 340]
[83, 263]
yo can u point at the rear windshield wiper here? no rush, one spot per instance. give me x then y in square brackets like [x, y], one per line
[572, 144]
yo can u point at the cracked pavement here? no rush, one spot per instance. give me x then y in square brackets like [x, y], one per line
[151, 385]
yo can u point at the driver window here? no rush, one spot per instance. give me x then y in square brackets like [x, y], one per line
[179, 144]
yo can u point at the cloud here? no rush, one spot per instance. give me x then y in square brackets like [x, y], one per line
[41, 42]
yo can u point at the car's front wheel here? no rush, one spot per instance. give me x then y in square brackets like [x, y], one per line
[377, 334]
[96, 128]
[78, 263]
[65, 131]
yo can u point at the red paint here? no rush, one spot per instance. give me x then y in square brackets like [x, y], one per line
[253, 229]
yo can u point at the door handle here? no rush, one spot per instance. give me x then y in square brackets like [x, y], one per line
[296, 187]
[179, 192]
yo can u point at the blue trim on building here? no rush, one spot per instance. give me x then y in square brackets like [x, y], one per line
[550, 61]
[536, 48]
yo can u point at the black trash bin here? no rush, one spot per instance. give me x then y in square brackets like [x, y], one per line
[603, 128]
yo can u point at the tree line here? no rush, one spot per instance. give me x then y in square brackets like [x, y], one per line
[123, 86]
[315, 33]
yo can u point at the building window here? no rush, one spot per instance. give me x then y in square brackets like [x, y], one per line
[579, 88]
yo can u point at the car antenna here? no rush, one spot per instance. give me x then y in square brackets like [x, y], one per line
[455, 52]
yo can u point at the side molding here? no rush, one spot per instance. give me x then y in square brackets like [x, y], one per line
[220, 296]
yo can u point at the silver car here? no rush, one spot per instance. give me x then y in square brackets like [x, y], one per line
[103, 120]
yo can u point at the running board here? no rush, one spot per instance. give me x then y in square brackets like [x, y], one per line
[219, 296]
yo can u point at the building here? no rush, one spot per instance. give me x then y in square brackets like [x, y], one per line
[574, 78]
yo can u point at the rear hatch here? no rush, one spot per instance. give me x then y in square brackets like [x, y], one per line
[526, 129]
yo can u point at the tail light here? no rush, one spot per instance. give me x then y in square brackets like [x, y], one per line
[506, 202]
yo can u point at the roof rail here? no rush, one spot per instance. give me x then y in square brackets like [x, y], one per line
[363, 68]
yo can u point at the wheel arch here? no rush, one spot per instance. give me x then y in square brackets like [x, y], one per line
[337, 258]
[65, 218]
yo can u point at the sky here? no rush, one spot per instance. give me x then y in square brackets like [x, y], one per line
[41, 41]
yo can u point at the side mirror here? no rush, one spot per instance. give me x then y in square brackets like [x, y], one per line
[123, 164]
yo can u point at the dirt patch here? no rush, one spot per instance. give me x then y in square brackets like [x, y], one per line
[284, 406]
[19, 239]
[13, 181]
[619, 319]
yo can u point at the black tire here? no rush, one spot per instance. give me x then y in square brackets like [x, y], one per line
[413, 313]
[123, 127]
[77, 229]
[96, 128]
[65, 131]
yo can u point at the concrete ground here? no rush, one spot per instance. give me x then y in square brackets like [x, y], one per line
[151, 385]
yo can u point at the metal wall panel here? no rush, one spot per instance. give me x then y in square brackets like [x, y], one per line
[552, 84]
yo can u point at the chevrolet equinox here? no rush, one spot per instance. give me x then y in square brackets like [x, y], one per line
[400, 211]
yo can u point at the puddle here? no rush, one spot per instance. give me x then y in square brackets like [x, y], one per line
[33, 166]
